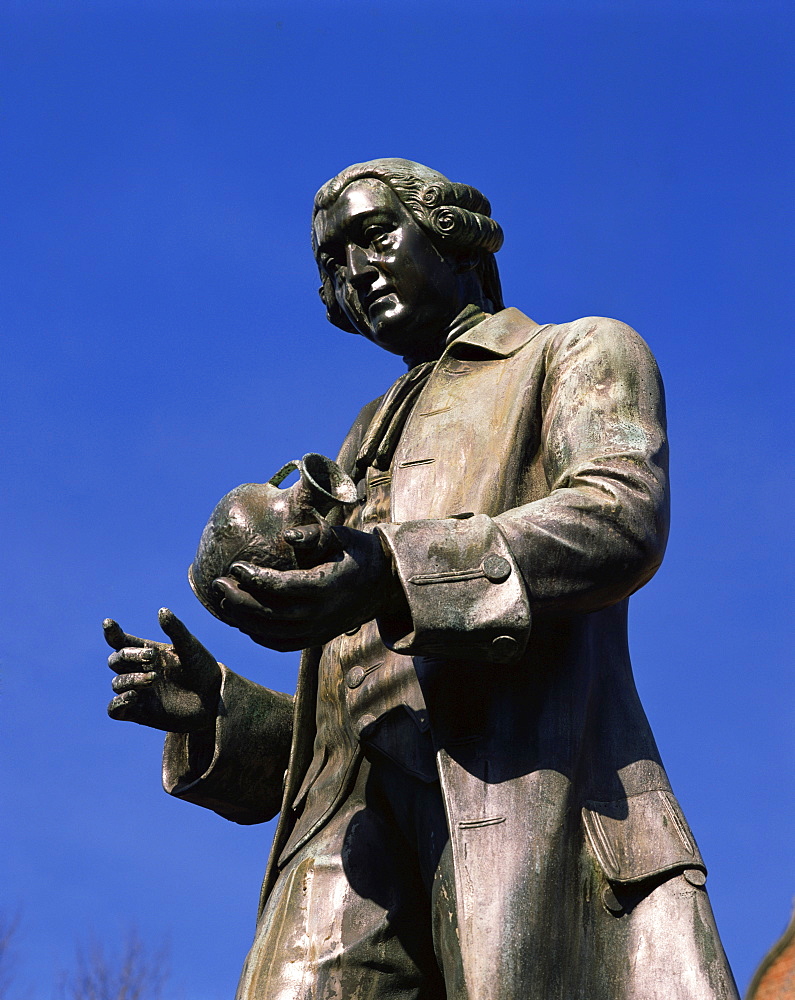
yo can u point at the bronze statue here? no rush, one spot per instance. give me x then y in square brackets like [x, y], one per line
[473, 807]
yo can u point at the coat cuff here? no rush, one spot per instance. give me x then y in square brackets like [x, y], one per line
[465, 597]
[236, 769]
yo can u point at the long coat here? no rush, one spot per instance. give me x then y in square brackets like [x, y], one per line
[529, 500]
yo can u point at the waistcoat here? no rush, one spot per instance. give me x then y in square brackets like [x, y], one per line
[369, 701]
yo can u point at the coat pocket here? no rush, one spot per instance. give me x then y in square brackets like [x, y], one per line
[640, 836]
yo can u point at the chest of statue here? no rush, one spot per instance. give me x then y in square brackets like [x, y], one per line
[470, 441]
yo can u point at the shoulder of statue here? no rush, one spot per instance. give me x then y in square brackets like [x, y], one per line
[600, 332]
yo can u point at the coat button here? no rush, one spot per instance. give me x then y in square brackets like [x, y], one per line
[496, 569]
[695, 876]
[503, 648]
[354, 677]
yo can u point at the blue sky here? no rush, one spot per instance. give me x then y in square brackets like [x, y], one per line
[164, 342]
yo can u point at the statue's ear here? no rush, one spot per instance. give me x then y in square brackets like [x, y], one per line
[466, 262]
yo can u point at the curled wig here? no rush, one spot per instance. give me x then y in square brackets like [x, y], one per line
[456, 217]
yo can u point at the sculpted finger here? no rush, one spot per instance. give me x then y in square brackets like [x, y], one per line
[124, 659]
[116, 638]
[260, 581]
[120, 706]
[255, 580]
[236, 600]
[185, 643]
[283, 614]
[314, 543]
[133, 682]
[305, 537]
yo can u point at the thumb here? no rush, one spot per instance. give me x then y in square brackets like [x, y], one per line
[184, 642]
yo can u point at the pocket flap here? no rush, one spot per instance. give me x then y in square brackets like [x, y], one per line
[640, 836]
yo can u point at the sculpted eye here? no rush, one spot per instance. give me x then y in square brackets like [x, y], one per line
[378, 236]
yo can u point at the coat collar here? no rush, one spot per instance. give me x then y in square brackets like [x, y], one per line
[500, 335]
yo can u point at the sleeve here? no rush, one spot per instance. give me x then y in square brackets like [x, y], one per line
[597, 535]
[238, 769]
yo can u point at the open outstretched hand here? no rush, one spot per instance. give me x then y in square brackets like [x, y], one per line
[171, 686]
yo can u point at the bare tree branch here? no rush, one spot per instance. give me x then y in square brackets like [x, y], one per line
[8, 932]
[136, 973]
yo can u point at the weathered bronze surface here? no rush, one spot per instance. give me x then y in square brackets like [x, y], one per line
[249, 523]
[473, 807]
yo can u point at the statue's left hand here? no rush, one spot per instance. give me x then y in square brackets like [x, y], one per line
[293, 609]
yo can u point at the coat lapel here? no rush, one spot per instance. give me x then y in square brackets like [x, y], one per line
[458, 450]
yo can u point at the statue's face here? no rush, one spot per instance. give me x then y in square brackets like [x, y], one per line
[389, 279]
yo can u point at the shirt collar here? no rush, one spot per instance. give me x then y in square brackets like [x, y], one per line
[469, 316]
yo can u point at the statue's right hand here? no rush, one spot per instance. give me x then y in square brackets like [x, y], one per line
[170, 686]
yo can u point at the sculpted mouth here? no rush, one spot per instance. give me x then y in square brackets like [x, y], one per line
[374, 295]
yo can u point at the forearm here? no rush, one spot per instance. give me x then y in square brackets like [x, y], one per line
[236, 768]
[593, 541]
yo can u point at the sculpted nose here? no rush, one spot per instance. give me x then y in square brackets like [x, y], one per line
[360, 270]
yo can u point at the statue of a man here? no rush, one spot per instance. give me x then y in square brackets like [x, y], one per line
[473, 807]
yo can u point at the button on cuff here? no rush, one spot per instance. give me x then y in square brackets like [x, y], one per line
[496, 568]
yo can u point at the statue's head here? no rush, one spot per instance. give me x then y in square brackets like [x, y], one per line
[446, 230]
